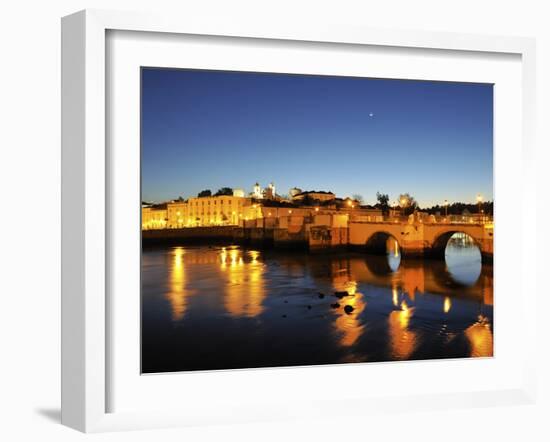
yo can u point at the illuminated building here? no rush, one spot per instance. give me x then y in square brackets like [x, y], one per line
[215, 210]
[238, 210]
[293, 192]
[269, 192]
[314, 195]
[176, 215]
[154, 217]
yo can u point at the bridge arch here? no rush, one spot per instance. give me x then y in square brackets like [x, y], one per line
[377, 243]
[441, 239]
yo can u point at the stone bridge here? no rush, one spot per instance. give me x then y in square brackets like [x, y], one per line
[419, 239]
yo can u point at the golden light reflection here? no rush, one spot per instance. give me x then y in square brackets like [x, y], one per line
[254, 254]
[412, 280]
[177, 295]
[447, 305]
[349, 326]
[487, 290]
[402, 340]
[480, 338]
[395, 296]
[396, 249]
[245, 286]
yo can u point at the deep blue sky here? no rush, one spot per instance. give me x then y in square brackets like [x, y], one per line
[210, 129]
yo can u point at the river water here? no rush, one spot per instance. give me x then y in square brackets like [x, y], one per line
[207, 308]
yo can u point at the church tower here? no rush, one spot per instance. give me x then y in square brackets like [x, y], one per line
[257, 192]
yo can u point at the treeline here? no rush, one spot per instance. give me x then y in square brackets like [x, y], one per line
[459, 208]
[223, 191]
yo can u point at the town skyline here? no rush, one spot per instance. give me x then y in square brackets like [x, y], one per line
[393, 200]
[213, 129]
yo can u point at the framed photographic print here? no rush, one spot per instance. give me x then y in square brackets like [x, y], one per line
[251, 212]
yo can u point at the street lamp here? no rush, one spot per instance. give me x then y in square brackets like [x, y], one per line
[446, 204]
[479, 199]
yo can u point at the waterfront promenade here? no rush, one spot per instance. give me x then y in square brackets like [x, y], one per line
[414, 237]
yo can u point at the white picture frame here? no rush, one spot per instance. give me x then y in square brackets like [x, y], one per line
[85, 209]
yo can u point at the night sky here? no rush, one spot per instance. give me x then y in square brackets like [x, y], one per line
[213, 129]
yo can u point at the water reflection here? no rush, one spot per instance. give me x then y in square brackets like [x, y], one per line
[348, 324]
[447, 304]
[244, 287]
[269, 308]
[176, 295]
[463, 259]
[480, 337]
[402, 339]
[394, 254]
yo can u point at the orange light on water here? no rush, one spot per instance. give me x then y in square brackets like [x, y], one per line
[447, 304]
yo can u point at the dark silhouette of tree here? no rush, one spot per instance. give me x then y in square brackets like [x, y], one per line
[307, 200]
[358, 198]
[204, 193]
[383, 203]
[224, 191]
[460, 208]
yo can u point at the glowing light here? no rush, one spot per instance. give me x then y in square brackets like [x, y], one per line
[290, 211]
[317, 209]
[479, 198]
[395, 296]
[447, 304]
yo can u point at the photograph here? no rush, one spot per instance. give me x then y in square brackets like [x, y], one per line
[303, 220]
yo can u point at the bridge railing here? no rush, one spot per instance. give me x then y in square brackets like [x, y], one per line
[428, 219]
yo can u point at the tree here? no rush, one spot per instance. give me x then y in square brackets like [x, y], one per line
[407, 203]
[307, 200]
[358, 198]
[383, 203]
[224, 191]
[204, 193]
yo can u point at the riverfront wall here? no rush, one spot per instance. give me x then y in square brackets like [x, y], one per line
[191, 235]
[325, 233]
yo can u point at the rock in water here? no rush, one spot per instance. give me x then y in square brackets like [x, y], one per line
[335, 305]
[348, 309]
[341, 294]
[321, 295]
